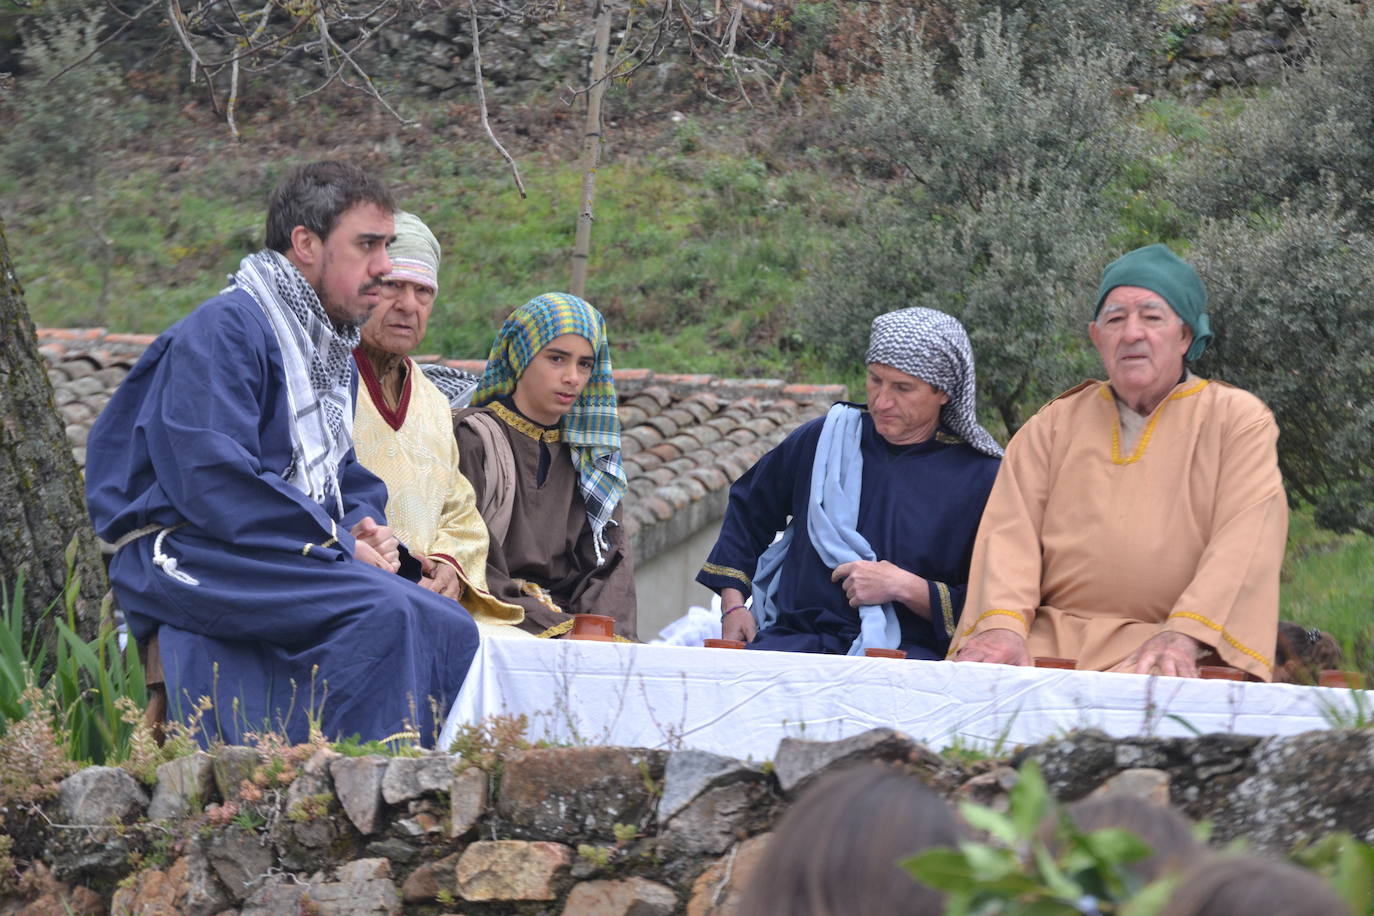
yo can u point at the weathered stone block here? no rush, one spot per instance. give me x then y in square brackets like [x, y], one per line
[631, 897]
[358, 785]
[426, 882]
[233, 764]
[578, 792]
[717, 890]
[468, 802]
[1138, 782]
[412, 777]
[689, 773]
[241, 860]
[511, 870]
[717, 819]
[184, 786]
[990, 789]
[100, 795]
[799, 762]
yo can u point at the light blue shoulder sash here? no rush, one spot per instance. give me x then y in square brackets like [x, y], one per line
[832, 521]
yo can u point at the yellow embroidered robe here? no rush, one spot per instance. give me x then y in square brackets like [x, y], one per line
[430, 504]
[1089, 552]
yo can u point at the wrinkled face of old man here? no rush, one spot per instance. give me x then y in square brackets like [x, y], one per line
[905, 409]
[399, 321]
[1141, 341]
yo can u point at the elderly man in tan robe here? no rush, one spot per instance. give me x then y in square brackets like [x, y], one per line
[403, 433]
[1137, 524]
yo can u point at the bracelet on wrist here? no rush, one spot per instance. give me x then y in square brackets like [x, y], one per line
[728, 611]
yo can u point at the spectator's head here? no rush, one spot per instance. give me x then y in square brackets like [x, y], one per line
[398, 323]
[333, 222]
[1252, 885]
[1167, 832]
[1150, 317]
[836, 850]
[1303, 652]
[552, 357]
[920, 377]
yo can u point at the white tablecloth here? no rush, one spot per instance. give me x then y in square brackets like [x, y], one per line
[742, 703]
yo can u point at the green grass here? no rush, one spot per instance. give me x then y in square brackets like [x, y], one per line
[696, 261]
[1328, 582]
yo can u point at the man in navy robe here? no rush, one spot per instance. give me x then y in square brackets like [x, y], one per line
[883, 502]
[248, 539]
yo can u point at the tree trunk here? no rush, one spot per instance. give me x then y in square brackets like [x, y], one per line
[591, 151]
[42, 497]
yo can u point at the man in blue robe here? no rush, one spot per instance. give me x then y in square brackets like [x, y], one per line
[883, 502]
[248, 539]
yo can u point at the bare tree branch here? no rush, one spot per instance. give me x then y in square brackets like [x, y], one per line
[482, 97]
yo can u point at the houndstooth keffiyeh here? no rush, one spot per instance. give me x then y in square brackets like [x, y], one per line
[933, 347]
[318, 359]
[592, 427]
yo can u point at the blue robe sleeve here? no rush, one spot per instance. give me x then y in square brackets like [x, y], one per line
[197, 428]
[761, 503]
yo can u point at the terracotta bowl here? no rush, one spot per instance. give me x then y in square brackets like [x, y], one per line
[724, 644]
[593, 627]
[1331, 677]
[1220, 673]
[884, 653]
[1049, 661]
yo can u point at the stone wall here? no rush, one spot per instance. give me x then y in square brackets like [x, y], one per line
[581, 830]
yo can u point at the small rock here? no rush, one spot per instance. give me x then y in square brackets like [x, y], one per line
[425, 882]
[468, 802]
[240, 860]
[798, 762]
[1203, 47]
[717, 890]
[1139, 782]
[184, 786]
[198, 890]
[280, 896]
[689, 773]
[511, 870]
[412, 777]
[233, 764]
[717, 819]
[631, 897]
[398, 851]
[100, 796]
[358, 784]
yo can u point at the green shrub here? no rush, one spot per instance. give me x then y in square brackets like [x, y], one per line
[997, 214]
[1292, 300]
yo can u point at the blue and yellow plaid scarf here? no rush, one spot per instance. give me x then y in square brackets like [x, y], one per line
[592, 427]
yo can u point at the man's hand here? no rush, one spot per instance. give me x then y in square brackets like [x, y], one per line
[382, 542]
[878, 581]
[1002, 647]
[366, 553]
[439, 577]
[739, 623]
[1169, 653]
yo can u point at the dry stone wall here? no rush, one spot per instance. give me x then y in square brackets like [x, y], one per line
[583, 830]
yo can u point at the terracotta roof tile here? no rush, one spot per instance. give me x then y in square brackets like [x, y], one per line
[686, 438]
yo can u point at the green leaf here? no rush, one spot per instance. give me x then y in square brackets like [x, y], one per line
[1030, 799]
[1116, 846]
[1151, 898]
[996, 825]
[1058, 883]
[942, 869]
[988, 863]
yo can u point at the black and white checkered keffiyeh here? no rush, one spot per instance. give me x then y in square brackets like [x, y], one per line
[318, 358]
[455, 384]
[933, 347]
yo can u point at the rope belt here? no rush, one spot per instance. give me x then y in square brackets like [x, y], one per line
[163, 562]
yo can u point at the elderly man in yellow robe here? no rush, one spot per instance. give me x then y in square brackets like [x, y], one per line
[1137, 524]
[403, 433]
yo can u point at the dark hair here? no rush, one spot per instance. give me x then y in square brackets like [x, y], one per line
[1167, 832]
[315, 195]
[1250, 884]
[1302, 653]
[837, 850]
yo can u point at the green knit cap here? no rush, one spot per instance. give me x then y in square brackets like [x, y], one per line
[1159, 270]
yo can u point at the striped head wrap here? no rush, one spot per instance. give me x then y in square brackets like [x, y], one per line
[414, 253]
[933, 347]
[592, 427]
